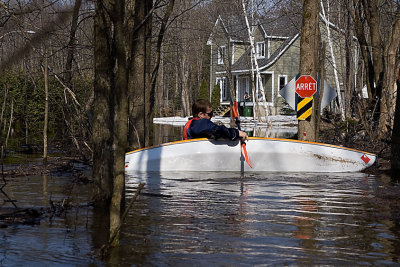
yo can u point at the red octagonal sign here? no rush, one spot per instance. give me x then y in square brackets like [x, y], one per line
[306, 86]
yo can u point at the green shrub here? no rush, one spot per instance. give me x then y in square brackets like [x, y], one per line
[203, 91]
[216, 96]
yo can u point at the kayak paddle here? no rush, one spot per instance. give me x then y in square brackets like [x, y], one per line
[242, 143]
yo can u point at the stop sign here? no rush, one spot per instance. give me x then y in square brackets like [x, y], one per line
[306, 86]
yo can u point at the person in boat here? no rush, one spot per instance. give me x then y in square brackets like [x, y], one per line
[201, 126]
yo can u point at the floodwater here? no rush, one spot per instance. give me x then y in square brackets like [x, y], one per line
[204, 219]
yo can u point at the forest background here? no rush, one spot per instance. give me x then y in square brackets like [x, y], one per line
[95, 73]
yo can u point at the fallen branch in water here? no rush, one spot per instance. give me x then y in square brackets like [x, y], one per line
[105, 248]
[8, 199]
[22, 216]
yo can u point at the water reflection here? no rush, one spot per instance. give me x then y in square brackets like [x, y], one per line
[57, 240]
[45, 188]
[261, 219]
[216, 218]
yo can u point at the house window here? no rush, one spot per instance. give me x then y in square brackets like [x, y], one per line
[233, 54]
[260, 50]
[282, 82]
[223, 85]
[263, 80]
[221, 54]
[267, 85]
[243, 87]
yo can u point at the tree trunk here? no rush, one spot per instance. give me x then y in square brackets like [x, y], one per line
[9, 123]
[71, 43]
[154, 74]
[184, 82]
[379, 61]
[103, 106]
[395, 160]
[364, 46]
[388, 101]
[46, 106]
[372, 15]
[309, 43]
[139, 77]
[350, 67]
[3, 107]
[318, 96]
[161, 94]
[120, 118]
[333, 58]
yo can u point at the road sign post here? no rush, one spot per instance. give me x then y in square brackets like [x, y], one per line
[306, 86]
[292, 97]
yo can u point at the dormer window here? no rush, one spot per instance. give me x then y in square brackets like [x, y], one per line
[221, 54]
[260, 50]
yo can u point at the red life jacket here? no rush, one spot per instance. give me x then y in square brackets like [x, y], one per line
[187, 125]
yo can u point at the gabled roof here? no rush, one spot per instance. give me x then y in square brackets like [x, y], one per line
[267, 62]
[243, 63]
[235, 28]
[282, 26]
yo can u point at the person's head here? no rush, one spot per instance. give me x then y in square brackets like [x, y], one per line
[202, 109]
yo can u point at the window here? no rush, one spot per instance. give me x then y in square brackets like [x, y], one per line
[233, 54]
[260, 50]
[243, 87]
[282, 81]
[221, 54]
[267, 85]
[223, 85]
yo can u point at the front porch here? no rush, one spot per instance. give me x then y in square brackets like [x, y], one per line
[242, 84]
[246, 109]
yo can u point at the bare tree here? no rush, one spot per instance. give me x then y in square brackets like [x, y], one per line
[184, 54]
[309, 47]
[139, 74]
[46, 108]
[115, 76]
[72, 42]
[102, 113]
[395, 160]
[333, 58]
[158, 55]
[376, 28]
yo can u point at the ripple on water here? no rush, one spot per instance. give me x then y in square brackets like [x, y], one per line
[216, 219]
[264, 218]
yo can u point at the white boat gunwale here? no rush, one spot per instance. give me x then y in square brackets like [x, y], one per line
[252, 138]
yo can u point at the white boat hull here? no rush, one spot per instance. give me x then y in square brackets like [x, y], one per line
[267, 155]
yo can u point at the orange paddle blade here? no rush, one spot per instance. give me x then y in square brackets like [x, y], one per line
[245, 156]
[234, 110]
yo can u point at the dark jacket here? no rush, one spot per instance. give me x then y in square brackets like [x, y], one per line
[206, 128]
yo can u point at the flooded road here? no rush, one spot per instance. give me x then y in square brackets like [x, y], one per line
[205, 219]
[64, 240]
[216, 218]
[278, 219]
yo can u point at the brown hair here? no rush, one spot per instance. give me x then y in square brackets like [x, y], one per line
[201, 105]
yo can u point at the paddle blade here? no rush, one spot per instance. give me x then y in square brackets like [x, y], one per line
[245, 156]
[234, 110]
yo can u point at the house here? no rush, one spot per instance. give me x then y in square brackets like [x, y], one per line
[278, 57]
